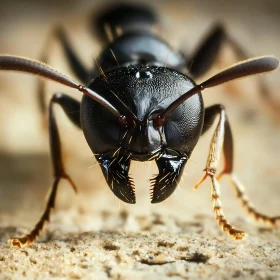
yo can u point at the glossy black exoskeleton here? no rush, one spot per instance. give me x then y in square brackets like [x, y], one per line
[146, 91]
[143, 106]
[144, 81]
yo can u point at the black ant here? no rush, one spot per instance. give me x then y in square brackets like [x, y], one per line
[144, 108]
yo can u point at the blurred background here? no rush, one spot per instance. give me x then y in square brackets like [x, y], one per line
[25, 170]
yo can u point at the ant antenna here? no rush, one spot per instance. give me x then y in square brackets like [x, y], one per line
[242, 69]
[15, 63]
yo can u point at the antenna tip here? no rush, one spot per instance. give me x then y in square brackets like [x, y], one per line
[271, 62]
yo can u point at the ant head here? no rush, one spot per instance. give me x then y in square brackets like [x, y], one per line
[141, 94]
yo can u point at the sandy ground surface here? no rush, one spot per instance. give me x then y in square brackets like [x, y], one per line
[92, 235]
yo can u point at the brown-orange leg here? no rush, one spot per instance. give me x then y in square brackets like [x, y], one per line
[221, 133]
[217, 208]
[248, 205]
[72, 109]
[223, 139]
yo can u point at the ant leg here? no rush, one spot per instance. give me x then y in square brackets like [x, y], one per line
[223, 139]
[207, 53]
[247, 204]
[74, 62]
[72, 109]
[210, 115]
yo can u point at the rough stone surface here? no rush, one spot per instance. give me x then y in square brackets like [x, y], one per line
[164, 248]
